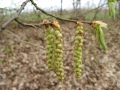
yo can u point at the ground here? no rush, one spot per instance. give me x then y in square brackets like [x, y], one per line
[23, 61]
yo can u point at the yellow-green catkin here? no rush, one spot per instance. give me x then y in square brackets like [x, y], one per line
[49, 46]
[78, 43]
[58, 52]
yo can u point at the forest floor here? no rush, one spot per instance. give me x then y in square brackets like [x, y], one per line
[23, 61]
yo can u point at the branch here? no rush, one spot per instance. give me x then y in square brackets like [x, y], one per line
[43, 11]
[41, 47]
[32, 25]
[25, 24]
[24, 41]
[92, 10]
[97, 10]
[4, 25]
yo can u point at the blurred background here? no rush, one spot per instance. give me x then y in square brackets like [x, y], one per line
[74, 9]
[23, 64]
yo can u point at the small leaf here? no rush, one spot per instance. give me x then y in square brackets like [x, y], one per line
[98, 33]
[111, 6]
[102, 40]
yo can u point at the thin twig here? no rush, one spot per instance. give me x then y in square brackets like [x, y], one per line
[24, 41]
[41, 47]
[97, 10]
[4, 25]
[92, 10]
[43, 11]
[25, 25]
[32, 25]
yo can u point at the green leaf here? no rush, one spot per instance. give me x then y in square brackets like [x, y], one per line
[113, 9]
[101, 39]
[96, 33]
[111, 0]
[111, 6]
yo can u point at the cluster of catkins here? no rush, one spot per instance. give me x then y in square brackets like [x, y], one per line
[77, 53]
[54, 49]
[54, 53]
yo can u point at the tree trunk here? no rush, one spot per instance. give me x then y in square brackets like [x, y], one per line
[61, 10]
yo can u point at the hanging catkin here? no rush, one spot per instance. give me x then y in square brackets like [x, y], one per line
[58, 52]
[49, 46]
[78, 43]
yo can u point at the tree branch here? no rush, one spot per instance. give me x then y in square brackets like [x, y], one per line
[32, 25]
[25, 41]
[92, 10]
[25, 25]
[4, 25]
[43, 11]
[41, 47]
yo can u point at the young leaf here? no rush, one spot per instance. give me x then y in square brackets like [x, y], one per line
[111, 6]
[99, 33]
[101, 39]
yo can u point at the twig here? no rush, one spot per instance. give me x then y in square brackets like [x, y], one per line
[97, 10]
[25, 41]
[92, 10]
[43, 11]
[24, 24]
[32, 43]
[4, 25]
[32, 25]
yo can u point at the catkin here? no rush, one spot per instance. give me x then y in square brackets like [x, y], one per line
[78, 43]
[58, 52]
[49, 46]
